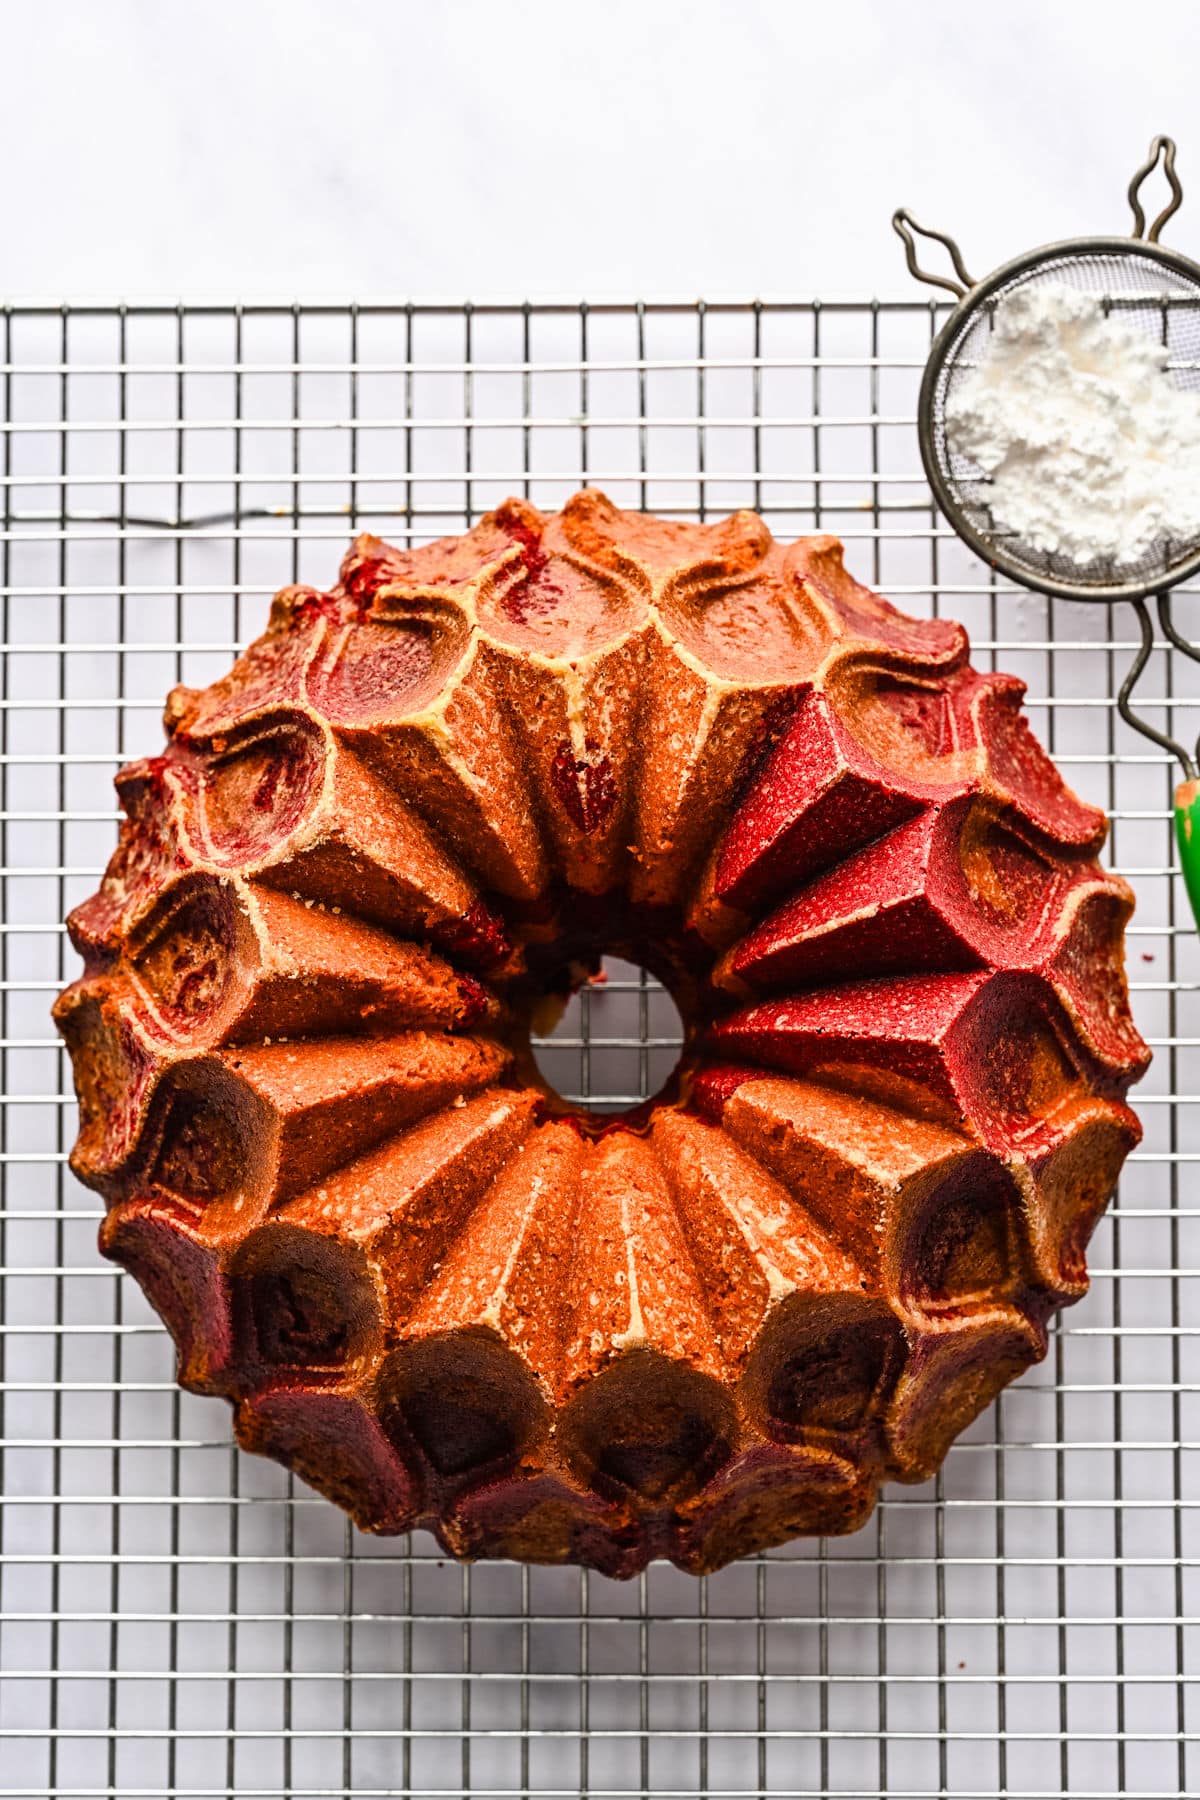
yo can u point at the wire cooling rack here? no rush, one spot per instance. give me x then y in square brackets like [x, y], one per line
[179, 1620]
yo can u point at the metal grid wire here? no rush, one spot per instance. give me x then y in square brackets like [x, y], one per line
[179, 1620]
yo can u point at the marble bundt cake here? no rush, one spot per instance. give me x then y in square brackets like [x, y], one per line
[424, 802]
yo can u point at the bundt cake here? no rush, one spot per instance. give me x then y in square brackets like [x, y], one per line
[424, 802]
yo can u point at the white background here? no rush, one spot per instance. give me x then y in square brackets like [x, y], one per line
[372, 148]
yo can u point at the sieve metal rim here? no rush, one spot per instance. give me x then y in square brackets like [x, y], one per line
[971, 303]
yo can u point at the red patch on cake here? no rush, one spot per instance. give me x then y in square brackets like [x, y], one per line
[714, 1085]
[479, 935]
[538, 595]
[474, 1000]
[586, 791]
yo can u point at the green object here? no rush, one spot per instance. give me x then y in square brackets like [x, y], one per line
[1187, 831]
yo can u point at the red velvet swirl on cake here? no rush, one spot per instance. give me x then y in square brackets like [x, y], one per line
[423, 802]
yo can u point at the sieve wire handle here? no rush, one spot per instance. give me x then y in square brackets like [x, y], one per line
[908, 230]
[1180, 752]
[1187, 794]
[1164, 147]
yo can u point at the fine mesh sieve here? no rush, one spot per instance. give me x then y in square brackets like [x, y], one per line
[1155, 291]
[1152, 289]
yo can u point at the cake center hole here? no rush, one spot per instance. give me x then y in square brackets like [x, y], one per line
[616, 1044]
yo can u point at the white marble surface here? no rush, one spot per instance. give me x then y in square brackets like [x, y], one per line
[401, 147]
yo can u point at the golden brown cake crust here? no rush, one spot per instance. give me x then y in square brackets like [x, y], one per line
[425, 801]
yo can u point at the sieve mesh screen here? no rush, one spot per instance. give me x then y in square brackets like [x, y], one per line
[1134, 286]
